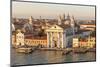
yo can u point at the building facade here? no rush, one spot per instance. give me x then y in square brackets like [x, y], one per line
[88, 42]
[36, 42]
[75, 42]
[92, 42]
[56, 37]
[19, 38]
[90, 27]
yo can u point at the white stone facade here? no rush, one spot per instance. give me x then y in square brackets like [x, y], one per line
[56, 37]
[19, 38]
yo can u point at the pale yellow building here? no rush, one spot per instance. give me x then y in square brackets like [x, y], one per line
[36, 42]
[19, 38]
[88, 42]
[75, 42]
[91, 42]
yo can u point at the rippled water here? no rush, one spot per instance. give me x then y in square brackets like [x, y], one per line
[42, 57]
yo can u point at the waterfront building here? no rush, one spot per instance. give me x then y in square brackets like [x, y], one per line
[36, 42]
[75, 42]
[19, 38]
[56, 37]
[91, 42]
[88, 42]
[83, 42]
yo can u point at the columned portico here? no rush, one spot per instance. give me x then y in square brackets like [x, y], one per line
[62, 40]
[58, 39]
[55, 37]
[48, 39]
[51, 42]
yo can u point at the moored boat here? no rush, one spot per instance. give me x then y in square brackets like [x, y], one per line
[91, 50]
[24, 50]
[79, 50]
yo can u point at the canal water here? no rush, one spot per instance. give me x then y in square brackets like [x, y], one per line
[43, 57]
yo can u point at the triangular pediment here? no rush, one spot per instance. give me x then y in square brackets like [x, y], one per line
[55, 28]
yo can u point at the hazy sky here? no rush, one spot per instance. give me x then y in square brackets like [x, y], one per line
[26, 9]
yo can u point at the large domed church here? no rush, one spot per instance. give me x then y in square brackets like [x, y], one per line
[28, 27]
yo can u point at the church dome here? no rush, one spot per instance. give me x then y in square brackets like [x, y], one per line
[28, 27]
[67, 22]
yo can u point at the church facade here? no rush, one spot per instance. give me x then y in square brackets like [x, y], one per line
[56, 37]
[59, 36]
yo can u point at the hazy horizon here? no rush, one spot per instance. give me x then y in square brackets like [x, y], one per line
[27, 9]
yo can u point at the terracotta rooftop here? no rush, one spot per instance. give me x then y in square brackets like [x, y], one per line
[64, 26]
[36, 37]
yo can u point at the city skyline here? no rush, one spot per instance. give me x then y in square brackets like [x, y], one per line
[24, 10]
[48, 33]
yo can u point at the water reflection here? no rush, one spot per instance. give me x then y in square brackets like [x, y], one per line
[39, 57]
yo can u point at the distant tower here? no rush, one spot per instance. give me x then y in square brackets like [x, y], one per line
[63, 17]
[72, 24]
[72, 21]
[30, 20]
[68, 17]
[40, 18]
[19, 38]
[59, 20]
[67, 20]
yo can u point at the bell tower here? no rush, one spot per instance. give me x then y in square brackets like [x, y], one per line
[30, 20]
[72, 24]
[59, 20]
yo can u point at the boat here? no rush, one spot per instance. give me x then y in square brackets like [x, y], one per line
[92, 50]
[66, 52]
[80, 50]
[24, 50]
